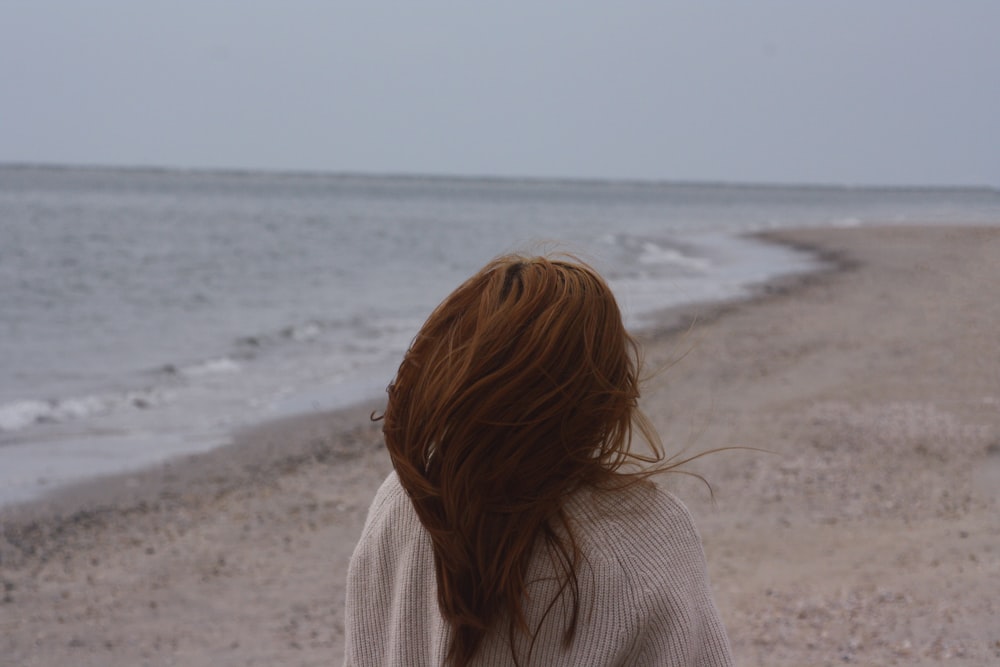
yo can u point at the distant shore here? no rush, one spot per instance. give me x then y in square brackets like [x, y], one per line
[868, 537]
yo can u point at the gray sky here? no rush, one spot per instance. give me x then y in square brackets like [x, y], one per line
[860, 92]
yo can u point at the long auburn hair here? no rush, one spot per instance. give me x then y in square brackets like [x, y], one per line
[520, 388]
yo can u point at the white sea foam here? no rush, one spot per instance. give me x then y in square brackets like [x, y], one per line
[656, 253]
[15, 416]
[211, 367]
[305, 332]
[21, 414]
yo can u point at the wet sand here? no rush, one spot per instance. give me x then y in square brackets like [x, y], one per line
[868, 535]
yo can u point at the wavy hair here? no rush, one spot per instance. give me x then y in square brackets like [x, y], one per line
[520, 388]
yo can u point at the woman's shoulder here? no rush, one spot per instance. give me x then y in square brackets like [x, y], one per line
[390, 493]
[640, 528]
[390, 512]
[636, 503]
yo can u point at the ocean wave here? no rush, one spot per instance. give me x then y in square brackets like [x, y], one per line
[211, 367]
[653, 253]
[303, 332]
[360, 328]
[659, 253]
[20, 414]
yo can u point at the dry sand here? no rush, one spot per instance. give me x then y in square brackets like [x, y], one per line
[869, 536]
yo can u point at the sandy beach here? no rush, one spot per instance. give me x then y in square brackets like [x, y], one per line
[866, 534]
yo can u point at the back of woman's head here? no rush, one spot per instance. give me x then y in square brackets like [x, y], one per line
[520, 388]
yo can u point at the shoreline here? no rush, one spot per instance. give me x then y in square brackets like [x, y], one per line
[865, 377]
[70, 439]
[152, 482]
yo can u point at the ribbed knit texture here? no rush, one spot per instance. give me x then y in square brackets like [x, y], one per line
[644, 593]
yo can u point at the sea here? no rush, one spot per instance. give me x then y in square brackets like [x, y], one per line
[146, 314]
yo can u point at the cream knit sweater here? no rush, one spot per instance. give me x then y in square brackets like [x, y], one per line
[644, 593]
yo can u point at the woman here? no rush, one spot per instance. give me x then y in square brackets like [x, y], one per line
[510, 532]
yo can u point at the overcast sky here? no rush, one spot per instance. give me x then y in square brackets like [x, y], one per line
[857, 92]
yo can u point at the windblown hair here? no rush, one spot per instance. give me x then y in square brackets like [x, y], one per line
[519, 389]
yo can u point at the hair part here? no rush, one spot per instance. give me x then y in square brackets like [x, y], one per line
[521, 387]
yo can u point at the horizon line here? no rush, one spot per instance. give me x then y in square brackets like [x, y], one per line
[507, 178]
